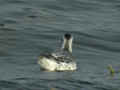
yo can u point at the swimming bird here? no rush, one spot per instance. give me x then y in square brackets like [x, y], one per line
[61, 59]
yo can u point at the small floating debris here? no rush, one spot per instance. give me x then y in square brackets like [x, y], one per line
[111, 70]
[53, 89]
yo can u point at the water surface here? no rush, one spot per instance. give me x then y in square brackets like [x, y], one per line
[30, 27]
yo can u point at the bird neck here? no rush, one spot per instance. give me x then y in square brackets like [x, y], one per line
[67, 45]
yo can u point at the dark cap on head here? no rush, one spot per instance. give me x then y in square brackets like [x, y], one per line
[67, 36]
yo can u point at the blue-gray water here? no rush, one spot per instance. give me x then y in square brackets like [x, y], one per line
[30, 27]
